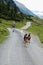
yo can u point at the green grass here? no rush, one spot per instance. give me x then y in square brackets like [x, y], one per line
[20, 24]
[40, 21]
[37, 29]
[4, 24]
[8, 23]
[3, 34]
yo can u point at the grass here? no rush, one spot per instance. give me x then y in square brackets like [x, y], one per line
[37, 29]
[4, 24]
[8, 23]
[3, 30]
[20, 24]
[3, 34]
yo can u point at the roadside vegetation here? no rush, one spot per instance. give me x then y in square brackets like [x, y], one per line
[37, 28]
[3, 32]
[4, 24]
[20, 24]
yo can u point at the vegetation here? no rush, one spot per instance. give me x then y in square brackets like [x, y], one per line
[3, 32]
[20, 24]
[7, 11]
[4, 24]
[11, 14]
[37, 28]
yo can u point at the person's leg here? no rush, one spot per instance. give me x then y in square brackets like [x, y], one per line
[29, 41]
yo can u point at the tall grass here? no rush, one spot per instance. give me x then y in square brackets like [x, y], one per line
[37, 28]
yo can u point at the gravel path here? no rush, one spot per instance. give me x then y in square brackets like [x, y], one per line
[14, 52]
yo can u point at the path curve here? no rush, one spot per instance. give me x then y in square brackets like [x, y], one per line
[28, 24]
[13, 51]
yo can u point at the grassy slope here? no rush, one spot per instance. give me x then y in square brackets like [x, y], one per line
[6, 24]
[37, 28]
[3, 31]
[3, 34]
[20, 24]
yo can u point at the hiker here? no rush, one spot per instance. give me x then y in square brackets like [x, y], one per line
[13, 26]
[27, 38]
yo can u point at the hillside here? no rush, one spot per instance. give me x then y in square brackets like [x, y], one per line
[24, 9]
[36, 27]
[9, 10]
